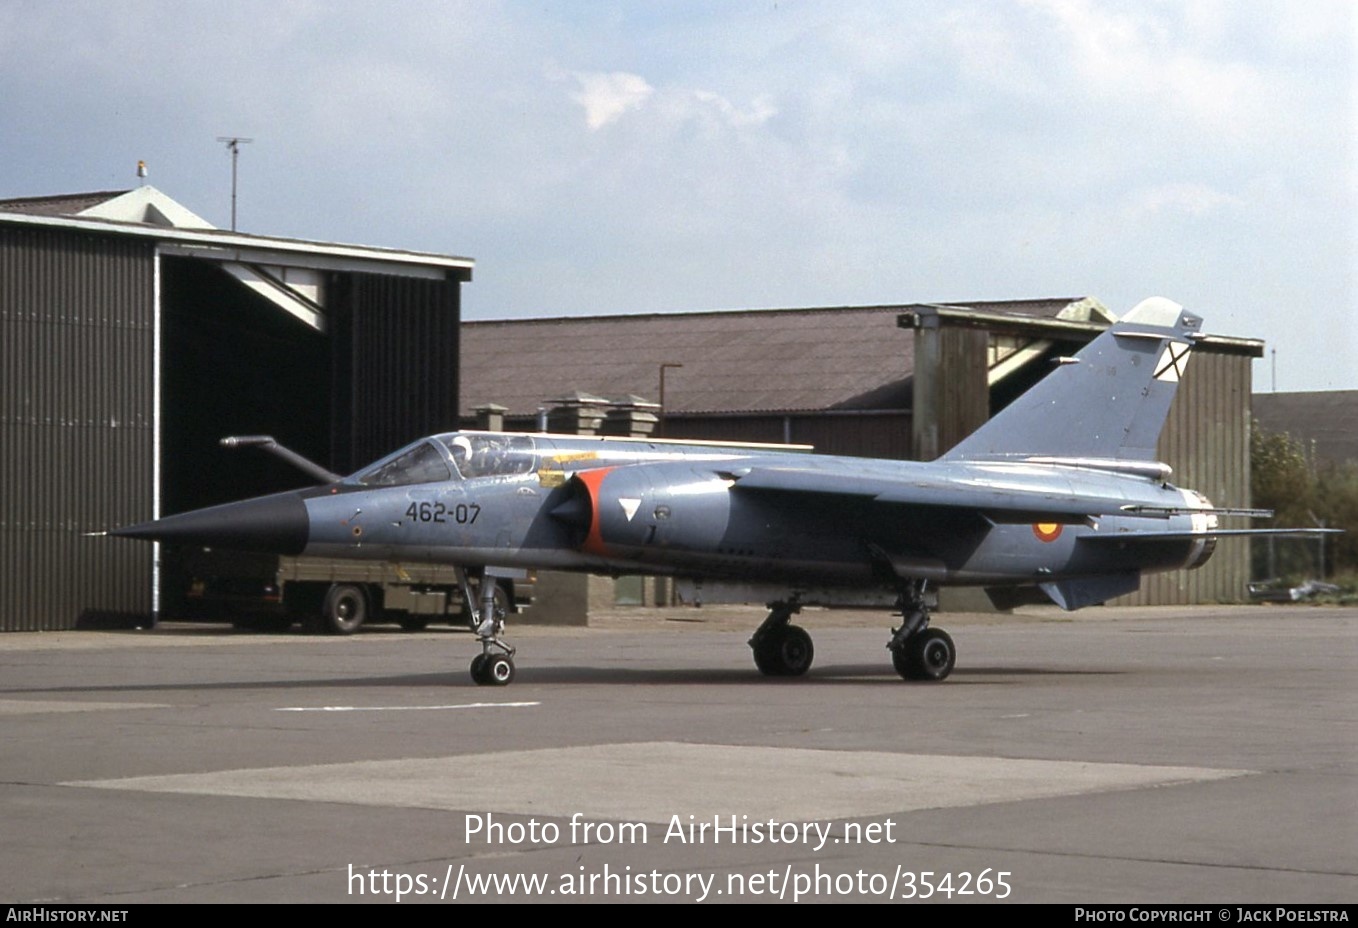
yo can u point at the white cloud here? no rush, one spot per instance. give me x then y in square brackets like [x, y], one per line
[1178, 199]
[760, 110]
[1144, 56]
[606, 97]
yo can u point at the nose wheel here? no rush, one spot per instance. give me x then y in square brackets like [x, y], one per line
[492, 669]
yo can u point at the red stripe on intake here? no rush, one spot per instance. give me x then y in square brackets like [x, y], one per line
[592, 479]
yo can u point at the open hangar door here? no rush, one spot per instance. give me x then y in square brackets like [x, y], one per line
[234, 364]
[342, 367]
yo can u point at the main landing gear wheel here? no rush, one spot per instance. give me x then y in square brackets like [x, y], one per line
[784, 652]
[928, 655]
[919, 652]
[492, 669]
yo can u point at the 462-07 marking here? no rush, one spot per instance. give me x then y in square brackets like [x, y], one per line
[461, 513]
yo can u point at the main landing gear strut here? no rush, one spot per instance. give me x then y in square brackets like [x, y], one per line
[918, 652]
[494, 666]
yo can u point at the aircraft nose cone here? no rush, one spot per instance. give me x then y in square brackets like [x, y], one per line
[277, 524]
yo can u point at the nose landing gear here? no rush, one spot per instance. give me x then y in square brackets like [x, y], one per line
[494, 666]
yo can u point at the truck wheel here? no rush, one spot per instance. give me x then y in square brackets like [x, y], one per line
[345, 608]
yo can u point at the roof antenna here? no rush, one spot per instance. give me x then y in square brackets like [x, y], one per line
[233, 144]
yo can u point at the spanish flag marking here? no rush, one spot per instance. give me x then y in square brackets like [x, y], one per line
[1047, 531]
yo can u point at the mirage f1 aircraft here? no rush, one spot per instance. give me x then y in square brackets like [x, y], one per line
[1059, 491]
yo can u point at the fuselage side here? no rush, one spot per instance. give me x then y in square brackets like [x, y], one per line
[636, 506]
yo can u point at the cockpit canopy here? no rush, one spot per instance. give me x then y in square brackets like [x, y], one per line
[453, 456]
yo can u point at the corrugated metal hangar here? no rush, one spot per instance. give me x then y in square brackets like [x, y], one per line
[901, 381]
[133, 335]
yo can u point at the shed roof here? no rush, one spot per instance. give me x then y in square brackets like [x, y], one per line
[65, 204]
[763, 361]
[147, 213]
[143, 204]
[1326, 420]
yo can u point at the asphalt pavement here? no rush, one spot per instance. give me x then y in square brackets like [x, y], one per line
[1204, 755]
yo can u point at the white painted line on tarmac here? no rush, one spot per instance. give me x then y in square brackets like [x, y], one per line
[465, 705]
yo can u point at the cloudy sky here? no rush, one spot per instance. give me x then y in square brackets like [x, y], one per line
[666, 156]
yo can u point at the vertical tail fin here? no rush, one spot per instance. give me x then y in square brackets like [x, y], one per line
[1109, 401]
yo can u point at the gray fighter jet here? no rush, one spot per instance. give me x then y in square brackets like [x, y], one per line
[1060, 491]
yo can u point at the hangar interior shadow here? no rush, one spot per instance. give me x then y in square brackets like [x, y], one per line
[1025, 378]
[234, 364]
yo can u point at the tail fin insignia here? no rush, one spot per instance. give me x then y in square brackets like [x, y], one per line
[1173, 362]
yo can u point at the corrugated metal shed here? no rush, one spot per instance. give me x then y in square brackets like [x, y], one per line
[133, 335]
[397, 378]
[77, 345]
